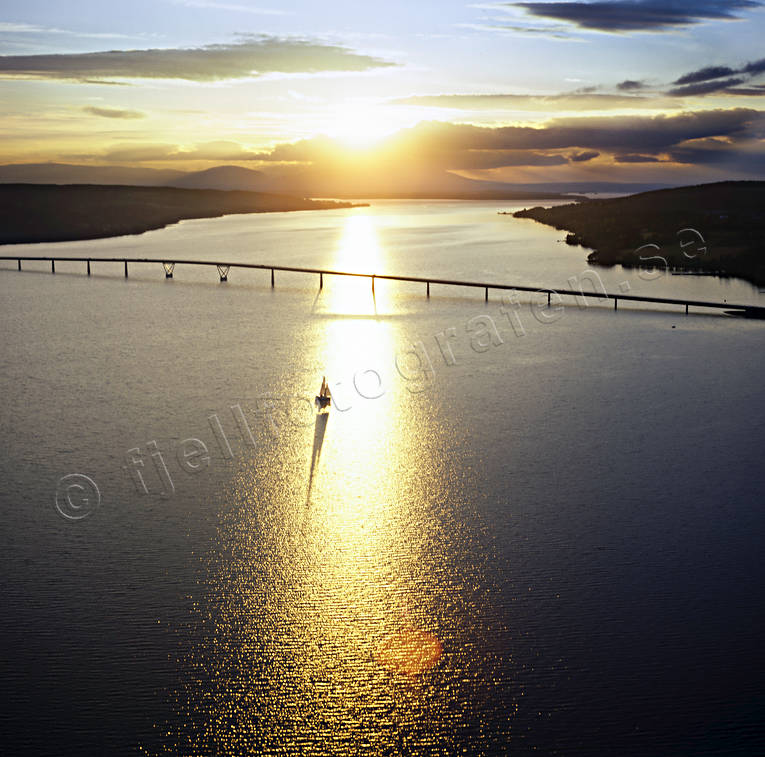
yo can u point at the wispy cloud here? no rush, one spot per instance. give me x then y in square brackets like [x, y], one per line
[92, 110]
[500, 27]
[578, 100]
[756, 90]
[235, 7]
[7, 27]
[251, 57]
[145, 153]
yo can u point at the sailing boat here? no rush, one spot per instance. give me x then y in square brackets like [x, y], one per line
[323, 398]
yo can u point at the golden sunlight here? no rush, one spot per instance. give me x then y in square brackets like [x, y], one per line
[363, 126]
[358, 251]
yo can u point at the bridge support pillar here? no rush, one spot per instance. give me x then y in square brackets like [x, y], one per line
[52, 265]
[126, 269]
[428, 289]
[272, 278]
[88, 267]
[616, 302]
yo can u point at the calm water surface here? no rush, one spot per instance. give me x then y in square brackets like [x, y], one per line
[517, 530]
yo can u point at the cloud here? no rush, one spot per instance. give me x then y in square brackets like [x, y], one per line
[637, 15]
[438, 145]
[712, 152]
[705, 74]
[599, 133]
[477, 160]
[729, 140]
[635, 158]
[705, 88]
[556, 32]
[579, 100]
[113, 112]
[629, 85]
[237, 7]
[710, 79]
[755, 67]
[220, 150]
[7, 27]
[251, 57]
[757, 90]
[139, 153]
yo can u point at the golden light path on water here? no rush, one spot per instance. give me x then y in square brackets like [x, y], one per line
[328, 600]
[361, 521]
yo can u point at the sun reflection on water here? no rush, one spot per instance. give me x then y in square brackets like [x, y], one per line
[324, 611]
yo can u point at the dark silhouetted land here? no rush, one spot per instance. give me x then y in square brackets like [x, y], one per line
[710, 228]
[60, 213]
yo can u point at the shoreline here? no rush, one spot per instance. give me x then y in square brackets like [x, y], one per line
[50, 213]
[708, 229]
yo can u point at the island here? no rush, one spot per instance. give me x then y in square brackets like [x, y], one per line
[714, 229]
[69, 212]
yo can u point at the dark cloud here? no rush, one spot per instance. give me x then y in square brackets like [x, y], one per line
[635, 158]
[113, 112]
[755, 67]
[439, 145]
[718, 154]
[627, 133]
[705, 74]
[481, 159]
[710, 79]
[251, 57]
[637, 15]
[705, 88]
[757, 90]
[629, 85]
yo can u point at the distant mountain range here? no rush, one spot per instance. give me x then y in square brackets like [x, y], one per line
[308, 182]
[62, 173]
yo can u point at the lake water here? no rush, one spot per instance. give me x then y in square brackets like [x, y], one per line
[517, 530]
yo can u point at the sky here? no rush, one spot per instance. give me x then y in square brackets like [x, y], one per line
[622, 90]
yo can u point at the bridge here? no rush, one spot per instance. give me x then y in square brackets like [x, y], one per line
[223, 269]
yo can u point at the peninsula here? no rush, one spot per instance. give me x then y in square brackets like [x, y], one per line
[710, 228]
[61, 213]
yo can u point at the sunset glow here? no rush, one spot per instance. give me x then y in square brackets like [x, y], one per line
[529, 92]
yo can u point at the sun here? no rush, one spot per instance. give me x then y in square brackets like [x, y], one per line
[361, 126]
